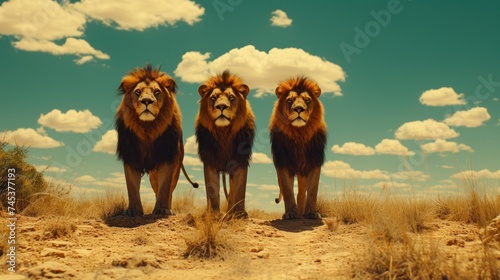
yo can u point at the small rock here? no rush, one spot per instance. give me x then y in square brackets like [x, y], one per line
[263, 255]
[256, 250]
[51, 269]
[52, 252]
[59, 244]
[83, 252]
[317, 261]
[459, 243]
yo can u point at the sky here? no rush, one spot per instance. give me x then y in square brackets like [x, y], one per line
[410, 89]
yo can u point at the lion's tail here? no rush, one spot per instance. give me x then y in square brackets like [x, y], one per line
[280, 197]
[194, 184]
[224, 185]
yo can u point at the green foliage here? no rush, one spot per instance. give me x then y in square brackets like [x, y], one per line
[28, 181]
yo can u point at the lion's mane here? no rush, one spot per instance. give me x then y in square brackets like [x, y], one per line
[146, 145]
[225, 148]
[298, 149]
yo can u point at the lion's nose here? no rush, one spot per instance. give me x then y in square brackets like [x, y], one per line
[298, 109]
[221, 107]
[146, 101]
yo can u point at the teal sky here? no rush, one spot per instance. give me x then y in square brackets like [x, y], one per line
[411, 89]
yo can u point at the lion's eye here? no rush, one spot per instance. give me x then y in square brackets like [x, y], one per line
[308, 100]
[231, 97]
[213, 98]
[138, 91]
[289, 101]
[157, 91]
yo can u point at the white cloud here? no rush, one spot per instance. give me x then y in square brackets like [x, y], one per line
[280, 18]
[192, 161]
[392, 147]
[37, 24]
[30, 138]
[425, 130]
[446, 166]
[352, 148]
[470, 174]
[261, 158]
[74, 121]
[342, 170]
[410, 175]
[262, 71]
[140, 15]
[40, 20]
[471, 118]
[266, 187]
[84, 59]
[442, 97]
[48, 168]
[86, 179]
[191, 146]
[440, 146]
[72, 46]
[108, 143]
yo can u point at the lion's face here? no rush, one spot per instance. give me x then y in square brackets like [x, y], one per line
[297, 102]
[147, 99]
[223, 106]
[223, 103]
[148, 104]
[298, 108]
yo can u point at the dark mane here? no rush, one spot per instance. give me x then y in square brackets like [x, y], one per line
[144, 156]
[298, 158]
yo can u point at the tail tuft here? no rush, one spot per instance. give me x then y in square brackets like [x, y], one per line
[277, 200]
[195, 185]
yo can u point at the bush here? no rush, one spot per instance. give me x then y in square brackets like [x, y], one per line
[28, 181]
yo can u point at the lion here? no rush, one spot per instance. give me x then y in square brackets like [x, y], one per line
[298, 139]
[148, 122]
[225, 129]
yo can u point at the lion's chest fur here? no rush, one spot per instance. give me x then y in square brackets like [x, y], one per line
[295, 154]
[147, 154]
[223, 151]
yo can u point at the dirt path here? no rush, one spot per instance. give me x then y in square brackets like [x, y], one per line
[151, 248]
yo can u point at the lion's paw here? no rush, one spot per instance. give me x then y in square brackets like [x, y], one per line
[131, 212]
[291, 216]
[163, 212]
[238, 215]
[313, 216]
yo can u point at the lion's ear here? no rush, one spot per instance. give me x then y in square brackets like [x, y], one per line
[128, 83]
[316, 91]
[280, 91]
[243, 89]
[202, 90]
[168, 83]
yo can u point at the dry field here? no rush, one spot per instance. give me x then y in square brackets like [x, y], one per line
[360, 237]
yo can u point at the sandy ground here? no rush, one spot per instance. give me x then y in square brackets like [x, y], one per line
[151, 248]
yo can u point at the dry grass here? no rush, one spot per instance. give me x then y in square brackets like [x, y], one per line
[210, 240]
[58, 227]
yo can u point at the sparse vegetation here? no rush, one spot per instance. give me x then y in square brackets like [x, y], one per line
[58, 227]
[397, 226]
[28, 181]
[209, 242]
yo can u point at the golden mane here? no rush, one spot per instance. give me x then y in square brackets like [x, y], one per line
[279, 118]
[245, 115]
[169, 113]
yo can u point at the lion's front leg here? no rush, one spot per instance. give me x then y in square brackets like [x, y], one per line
[285, 180]
[237, 190]
[312, 181]
[212, 186]
[133, 180]
[166, 175]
